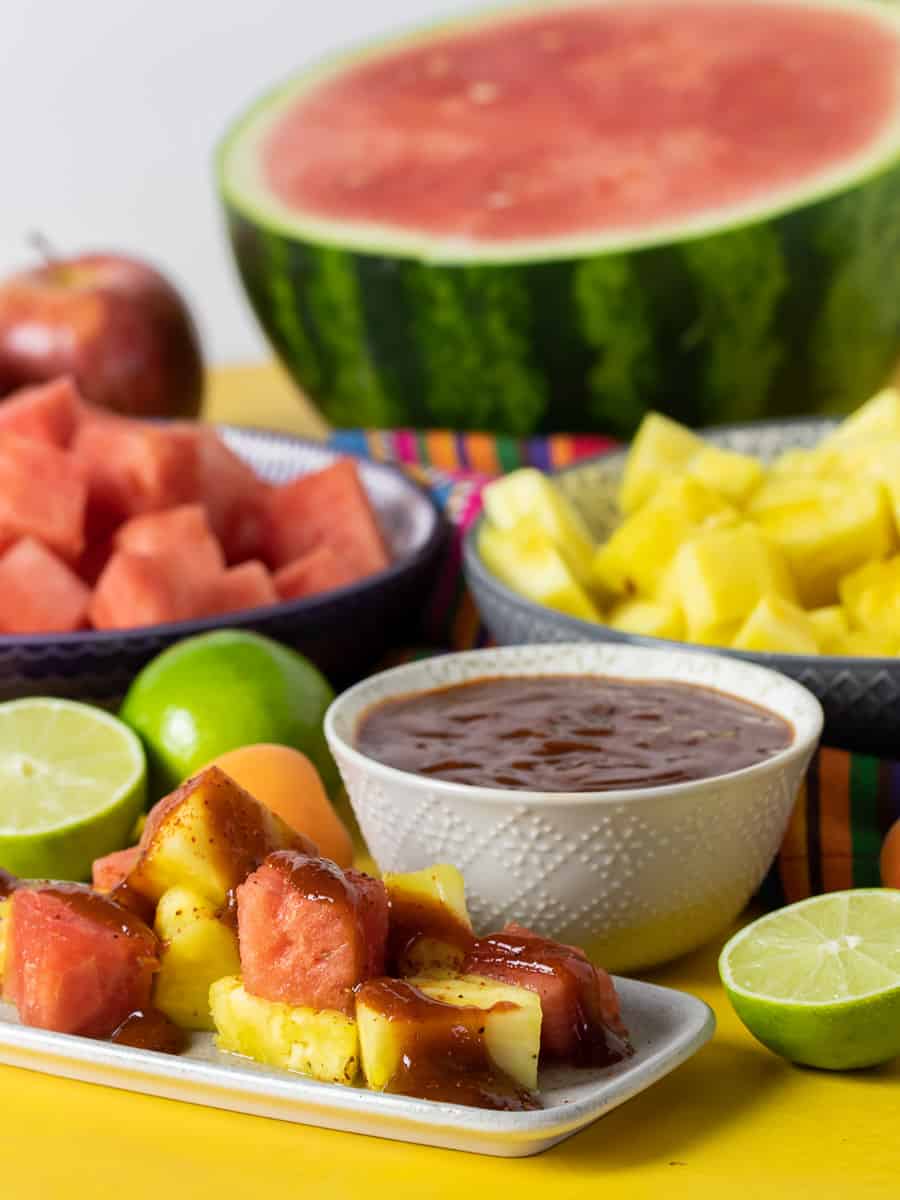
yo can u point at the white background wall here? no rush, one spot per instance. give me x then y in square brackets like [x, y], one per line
[109, 111]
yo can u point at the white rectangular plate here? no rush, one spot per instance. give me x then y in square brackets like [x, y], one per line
[666, 1028]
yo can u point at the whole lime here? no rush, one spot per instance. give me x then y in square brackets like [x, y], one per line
[217, 691]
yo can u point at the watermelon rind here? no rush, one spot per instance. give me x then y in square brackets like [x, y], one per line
[765, 308]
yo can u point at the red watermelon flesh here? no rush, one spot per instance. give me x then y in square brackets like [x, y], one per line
[42, 495]
[327, 508]
[579, 1004]
[134, 591]
[234, 497]
[133, 468]
[76, 961]
[48, 412]
[38, 592]
[484, 133]
[112, 869]
[318, 571]
[246, 586]
[183, 530]
[310, 932]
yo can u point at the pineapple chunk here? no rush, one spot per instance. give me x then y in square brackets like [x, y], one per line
[804, 463]
[529, 493]
[721, 575]
[661, 448]
[637, 555]
[734, 476]
[871, 597]
[197, 950]
[434, 900]
[208, 836]
[4, 932]
[512, 1035]
[777, 626]
[648, 619]
[878, 417]
[830, 625]
[525, 559]
[865, 644]
[321, 1043]
[824, 529]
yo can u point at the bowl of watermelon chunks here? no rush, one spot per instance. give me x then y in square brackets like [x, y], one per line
[118, 537]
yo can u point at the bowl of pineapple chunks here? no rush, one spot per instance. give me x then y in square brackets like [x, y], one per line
[776, 541]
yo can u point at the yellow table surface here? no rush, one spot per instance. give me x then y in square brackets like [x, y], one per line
[734, 1122]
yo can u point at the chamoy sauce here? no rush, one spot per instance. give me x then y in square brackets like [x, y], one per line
[8, 884]
[415, 922]
[571, 733]
[149, 1029]
[443, 1054]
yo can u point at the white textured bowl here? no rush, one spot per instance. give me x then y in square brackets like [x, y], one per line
[636, 876]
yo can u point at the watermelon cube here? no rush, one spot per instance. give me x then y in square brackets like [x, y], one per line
[183, 530]
[38, 592]
[329, 507]
[112, 869]
[132, 467]
[579, 1002]
[42, 495]
[318, 571]
[76, 961]
[133, 591]
[310, 932]
[48, 412]
[234, 496]
[246, 586]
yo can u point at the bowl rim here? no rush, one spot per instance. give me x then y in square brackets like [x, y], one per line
[475, 568]
[306, 606]
[802, 744]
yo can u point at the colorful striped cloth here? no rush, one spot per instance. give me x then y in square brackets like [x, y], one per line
[849, 801]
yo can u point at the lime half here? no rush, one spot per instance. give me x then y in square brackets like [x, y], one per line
[819, 981]
[72, 783]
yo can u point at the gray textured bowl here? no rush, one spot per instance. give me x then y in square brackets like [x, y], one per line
[860, 696]
[344, 631]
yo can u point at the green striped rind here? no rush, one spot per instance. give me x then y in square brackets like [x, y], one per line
[797, 312]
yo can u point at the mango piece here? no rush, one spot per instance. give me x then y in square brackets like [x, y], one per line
[720, 575]
[824, 529]
[661, 448]
[830, 624]
[777, 626]
[638, 553]
[197, 950]
[512, 1036]
[437, 891]
[732, 475]
[525, 558]
[529, 493]
[648, 619]
[878, 417]
[871, 597]
[317, 1042]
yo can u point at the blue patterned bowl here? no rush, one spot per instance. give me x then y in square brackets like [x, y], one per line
[860, 696]
[343, 632]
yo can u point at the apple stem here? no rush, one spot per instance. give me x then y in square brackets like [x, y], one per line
[42, 245]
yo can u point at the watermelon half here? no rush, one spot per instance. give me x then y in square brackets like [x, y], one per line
[561, 216]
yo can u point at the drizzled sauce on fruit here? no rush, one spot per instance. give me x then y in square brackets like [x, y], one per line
[8, 884]
[443, 1052]
[149, 1029]
[593, 1033]
[571, 733]
[415, 919]
[102, 910]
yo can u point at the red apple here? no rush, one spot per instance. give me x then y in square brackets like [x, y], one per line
[113, 323]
